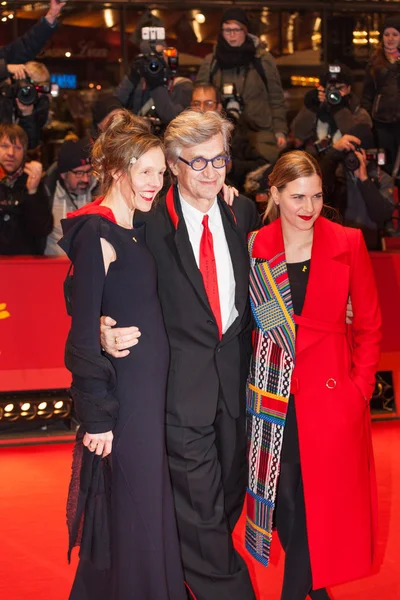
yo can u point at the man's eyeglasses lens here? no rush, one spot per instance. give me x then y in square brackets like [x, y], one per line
[81, 174]
[199, 164]
[229, 31]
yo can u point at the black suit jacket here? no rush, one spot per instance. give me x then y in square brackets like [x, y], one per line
[201, 366]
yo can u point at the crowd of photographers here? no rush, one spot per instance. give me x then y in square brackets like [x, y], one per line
[356, 140]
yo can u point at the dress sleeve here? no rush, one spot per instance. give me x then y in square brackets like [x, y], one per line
[366, 327]
[93, 380]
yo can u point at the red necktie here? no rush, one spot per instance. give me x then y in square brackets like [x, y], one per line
[208, 269]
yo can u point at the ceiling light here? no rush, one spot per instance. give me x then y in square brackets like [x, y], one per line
[58, 405]
[9, 408]
[68, 54]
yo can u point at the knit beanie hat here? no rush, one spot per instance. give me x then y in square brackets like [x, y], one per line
[235, 14]
[74, 154]
[393, 22]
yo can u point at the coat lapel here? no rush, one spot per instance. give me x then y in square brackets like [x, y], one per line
[184, 247]
[328, 284]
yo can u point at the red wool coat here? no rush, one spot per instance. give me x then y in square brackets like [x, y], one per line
[333, 379]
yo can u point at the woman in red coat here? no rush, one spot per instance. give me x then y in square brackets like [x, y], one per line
[311, 377]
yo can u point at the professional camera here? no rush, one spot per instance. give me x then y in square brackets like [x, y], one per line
[26, 91]
[332, 94]
[232, 102]
[376, 157]
[154, 65]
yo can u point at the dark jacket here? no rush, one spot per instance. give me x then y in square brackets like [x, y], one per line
[32, 124]
[168, 104]
[202, 366]
[342, 117]
[381, 93]
[25, 220]
[264, 109]
[365, 205]
[26, 47]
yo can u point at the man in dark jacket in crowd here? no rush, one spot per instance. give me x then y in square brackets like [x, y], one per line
[240, 60]
[319, 122]
[359, 189]
[30, 44]
[25, 214]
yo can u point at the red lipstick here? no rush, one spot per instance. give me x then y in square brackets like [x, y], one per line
[305, 218]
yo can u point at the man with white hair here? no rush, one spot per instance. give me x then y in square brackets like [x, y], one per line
[199, 244]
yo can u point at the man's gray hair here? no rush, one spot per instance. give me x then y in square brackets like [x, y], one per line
[191, 128]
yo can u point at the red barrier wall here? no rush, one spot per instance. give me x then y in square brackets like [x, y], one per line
[34, 323]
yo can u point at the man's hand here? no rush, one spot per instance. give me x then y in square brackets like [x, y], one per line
[101, 443]
[34, 171]
[347, 143]
[54, 10]
[25, 110]
[281, 141]
[229, 193]
[117, 340]
[18, 71]
[321, 94]
[361, 173]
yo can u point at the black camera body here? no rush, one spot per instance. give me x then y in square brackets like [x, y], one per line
[153, 65]
[24, 90]
[232, 102]
[376, 157]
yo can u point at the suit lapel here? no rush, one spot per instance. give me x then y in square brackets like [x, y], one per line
[239, 257]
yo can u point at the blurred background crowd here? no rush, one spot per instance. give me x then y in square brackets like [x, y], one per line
[323, 81]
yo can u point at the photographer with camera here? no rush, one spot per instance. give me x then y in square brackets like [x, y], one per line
[356, 185]
[27, 46]
[25, 213]
[381, 93]
[329, 112]
[247, 78]
[151, 88]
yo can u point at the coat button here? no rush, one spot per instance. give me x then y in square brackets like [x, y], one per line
[331, 384]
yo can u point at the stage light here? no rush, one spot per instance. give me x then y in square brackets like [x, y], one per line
[58, 405]
[42, 406]
[25, 406]
[9, 408]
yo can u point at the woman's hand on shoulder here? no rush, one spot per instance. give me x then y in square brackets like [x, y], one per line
[229, 193]
[100, 443]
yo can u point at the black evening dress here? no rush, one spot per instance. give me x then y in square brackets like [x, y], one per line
[145, 558]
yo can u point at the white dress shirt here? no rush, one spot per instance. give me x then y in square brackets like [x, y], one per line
[226, 279]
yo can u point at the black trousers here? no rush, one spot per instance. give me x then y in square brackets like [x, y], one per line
[209, 471]
[290, 520]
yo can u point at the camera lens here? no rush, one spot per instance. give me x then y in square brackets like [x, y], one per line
[333, 96]
[154, 66]
[351, 161]
[27, 94]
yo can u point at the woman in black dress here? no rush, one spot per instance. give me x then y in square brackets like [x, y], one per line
[120, 403]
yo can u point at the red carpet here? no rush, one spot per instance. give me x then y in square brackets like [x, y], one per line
[33, 562]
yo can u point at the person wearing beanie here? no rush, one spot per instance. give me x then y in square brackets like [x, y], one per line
[240, 59]
[70, 184]
[363, 195]
[381, 91]
[318, 123]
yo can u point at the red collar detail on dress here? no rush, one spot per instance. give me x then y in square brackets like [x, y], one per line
[94, 208]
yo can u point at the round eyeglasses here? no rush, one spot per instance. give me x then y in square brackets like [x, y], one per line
[200, 163]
